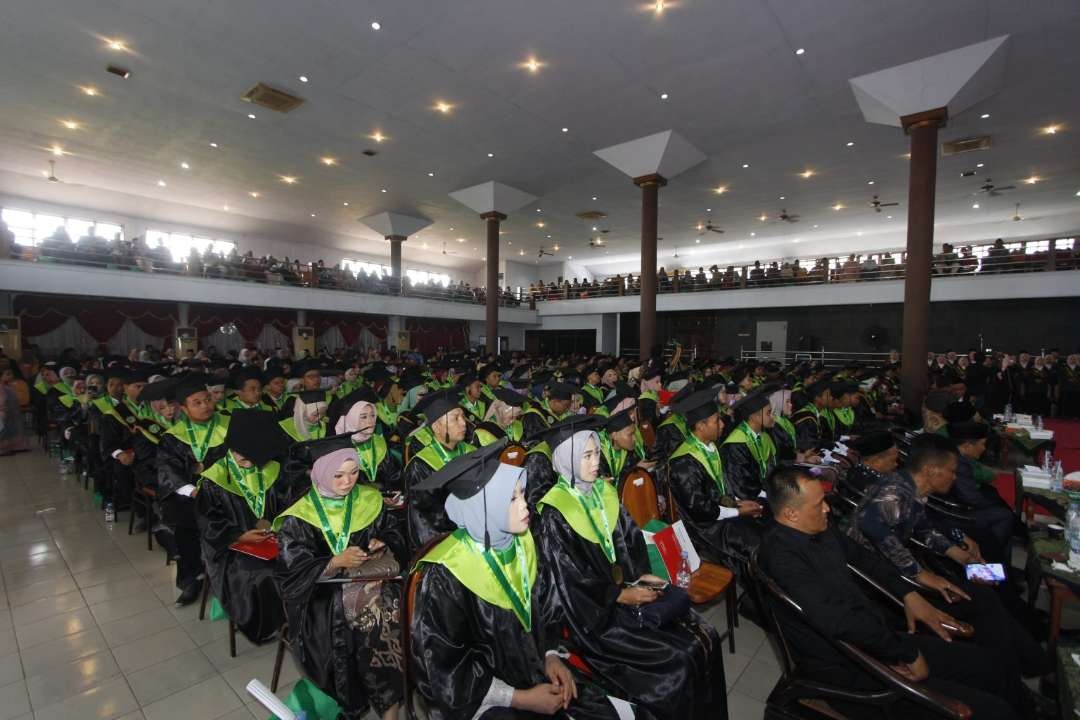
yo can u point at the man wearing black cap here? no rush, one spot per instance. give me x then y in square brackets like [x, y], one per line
[274, 396]
[238, 498]
[550, 410]
[748, 454]
[993, 519]
[878, 456]
[720, 525]
[248, 384]
[672, 431]
[811, 431]
[648, 403]
[841, 413]
[472, 401]
[619, 451]
[446, 423]
[194, 443]
[591, 392]
[491, 378]
[118, 427]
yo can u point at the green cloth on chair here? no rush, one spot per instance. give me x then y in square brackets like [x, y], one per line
[311, 701]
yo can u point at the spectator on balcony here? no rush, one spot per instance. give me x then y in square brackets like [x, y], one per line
[731, 278]
[787, 273]
[663, 284]
[968, 262]
[997, 258]
[772, 274]
[7, 241]
[947, 261]
[798, 272]
[850, 270]
[757, 274]
[869, 269]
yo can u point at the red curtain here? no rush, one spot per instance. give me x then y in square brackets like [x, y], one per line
[428, 335]
[351, 326]
[102, 319]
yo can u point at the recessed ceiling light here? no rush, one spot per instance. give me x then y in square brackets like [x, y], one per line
[251, 116]
[975, 206]
[253, 194]
[698, 240]
[1032, 180]
[838, 206]
[376, 25]
[1078, 193]
[345, 204]
[461, 240]
[185, 166]
[979, 165]
[800, 51]
[659, 6]
[491, 155]
[382, 190]
[287, 179]
[431, 174]
[303, 78]
[118, 45]
[594, 198]
[44, 173]
[521, 252]
[71, 124]
[1051, 129]
[57, 151]
[568, 257]
[887, 217]
[225, 208]
[850, 143]
[745, 165]
[708, 209]
[985, 116]
[213, 144]
[443, 107]
[594, 228]
[540, 224]
[815, 227]
[720, 189]
[327, 160]
[312, 214]
[763, 217]
[663, 96]
[807, 174]
[869, 182]
[797, 240]
[451, 229]
[566, 130]
[89, 90]
[539, 210]
[377, 136]
[532, 64]
[161, 183]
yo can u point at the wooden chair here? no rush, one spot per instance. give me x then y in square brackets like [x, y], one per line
[648, 434]
[513, 454]
[279, 658]
[414, 706]
[796, 696]
[202, 616]
[143, 497]
[637, 494]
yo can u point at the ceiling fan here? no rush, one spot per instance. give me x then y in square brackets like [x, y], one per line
[445, 251]
[595, 242]
[992, 190]
[542, 252]
[785, 216]
[52, 173]
[877, 204]
[1016, 214]
[708, 226]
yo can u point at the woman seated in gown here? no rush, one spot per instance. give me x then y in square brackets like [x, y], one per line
[481, 644]
[502, 420]
[237, 498]
[345, 634]
[591, 549]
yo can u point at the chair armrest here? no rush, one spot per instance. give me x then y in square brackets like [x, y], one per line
[939, 702]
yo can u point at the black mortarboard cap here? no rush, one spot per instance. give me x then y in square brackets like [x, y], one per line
[241, 376]
[160, 390]
[274, 370]
[310, 397]
[189, 385]
[466, 475]
[750, 404]
[560, 390]
[617, 396]
[439, 403]
[816, 389]
[563, 429]
[619, 420]
[305, 366]
[698, 405]
[510, 397]
[343, 405]
[958, 411]
[377, 374]
[873, 443]
[256, 435]
[938, 401]
[467, 378]
[961, 431]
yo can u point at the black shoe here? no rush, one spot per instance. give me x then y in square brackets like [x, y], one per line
[189, 595]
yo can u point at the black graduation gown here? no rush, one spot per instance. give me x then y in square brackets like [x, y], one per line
[675, 672]
[810, 432]
[539, 478]
[726, 542]
[388, 476]
[1036, 388]
[243, 584]
[786, 452]
[427, 511]
[176, 467]
[668, 438]
[742, 474]
[459, 643]
[355, 667]
[535, 423]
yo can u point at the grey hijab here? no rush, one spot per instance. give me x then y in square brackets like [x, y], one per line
[474, 514]
[566, 459]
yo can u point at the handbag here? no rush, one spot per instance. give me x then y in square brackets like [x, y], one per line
[672, 605]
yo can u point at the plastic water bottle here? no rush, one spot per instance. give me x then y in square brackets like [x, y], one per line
[1048, 461]
[682, 578]
[1057, 477]
[1008, 413]
[1072, 534]
[110, 513]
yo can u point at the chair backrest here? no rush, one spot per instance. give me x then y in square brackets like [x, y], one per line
[764, 588]
[513, 454]
[637, 493]
[648, 434]
[408, 602]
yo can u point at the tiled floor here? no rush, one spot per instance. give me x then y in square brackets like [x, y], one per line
[88, 628]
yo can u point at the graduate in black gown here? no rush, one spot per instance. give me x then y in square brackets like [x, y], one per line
[722, 527]
[590, 547]
[346, 636]
[482, 642]
[238, 497]
[619, 454]
[748, 454]
[195, 442]
[538, 464]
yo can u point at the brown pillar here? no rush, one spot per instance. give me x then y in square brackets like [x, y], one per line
[650, 199]
[395, 259]
[493, 291]
[922, 182]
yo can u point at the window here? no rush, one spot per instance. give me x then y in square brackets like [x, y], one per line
[359, 265]
[180, 245]
[418, 277]
[31, 228]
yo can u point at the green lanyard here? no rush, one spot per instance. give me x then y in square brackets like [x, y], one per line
[612, 453]
[522, 603]
[367, 448]
[593, 504]
[444, 454]
[787, 427]
[255, 500]
[756, 449]
[337, 542]
[712, 458]
[199, 450]
[472, 407]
